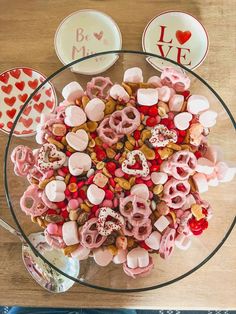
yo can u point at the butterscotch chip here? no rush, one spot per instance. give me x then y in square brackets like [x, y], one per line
[127, 88]
[43, 183]
[56, 143]
[85, 100]
[69, 249]
[174, 146]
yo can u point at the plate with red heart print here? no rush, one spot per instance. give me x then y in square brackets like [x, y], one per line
[16, 85]
[178, 36]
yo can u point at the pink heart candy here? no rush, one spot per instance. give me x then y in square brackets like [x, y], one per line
[72, 91]
[78, 163]
[197, 104]
[159, 177]
[137, 257]
[74, 116]
[95, 109]
[147, 96]
[54, 190]
[78, 140]
[208, 118]
[95, 194]
[133, 75]
[140, 190]
[182, 120]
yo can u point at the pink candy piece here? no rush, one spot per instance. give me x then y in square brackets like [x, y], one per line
[95, 109]
[133, 75]
[120, 257]
[200, 182]
[167, 243]
[155, 81]
[197, 104]
[119, 173]
[140, 272]
[125, 121]
[159, 177]
[175, 78]
[47, 202]
[205, 166]
[164, 93]
[81, 253]
[89, 236]
[174, 196]
[78, 140]
[140, 190]
[73, 204]
[54, 241]
[50, 151]
[106, 133]
[95, 195]
[74, 116]
[79, 163]
[208, 118]
[105, 227]
[137, 257]
[23, 159]
[102, 256]
[100, 180]
[182, 120]
[161, 223]
[72, 91]
[70, 233]
[31, 202]
[139, 231]
[147, 96]
[176, 102]
[153, 241]
[98, 87]
[161, 136]
[190, 200]
[54, 229]
[118, 92]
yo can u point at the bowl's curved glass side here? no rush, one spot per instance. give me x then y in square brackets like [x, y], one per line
[222, 198]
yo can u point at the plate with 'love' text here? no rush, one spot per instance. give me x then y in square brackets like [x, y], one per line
[16, 85]
[178, 36]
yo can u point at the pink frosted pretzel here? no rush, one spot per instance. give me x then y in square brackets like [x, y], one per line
[181, 165]
[89, 236]
[175, 78]
[98, 87]
[107, 134]
[23, 159]
[31, 202]
[125, 121]
[139, 231]
[37, 175]
[167, 243]
[55, 241]
[174, 193]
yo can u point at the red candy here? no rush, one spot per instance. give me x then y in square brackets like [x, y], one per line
[151, 121]
[153, 111]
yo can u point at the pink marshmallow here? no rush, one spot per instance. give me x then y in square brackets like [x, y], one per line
[197, 104]
[140, 190]
[102, 256]
[81, 253]
[137, 257]
[70, 233]
[72, 91]
[74, 116]
[182, 120]
[176, 102]
[164, 93]
[147, 96]
[133, 75]
[159, 177]
[204, 166]
[118, 92]
[208, 118]
[161, 223]
[200, 182]
[155, 81]
[154, 240]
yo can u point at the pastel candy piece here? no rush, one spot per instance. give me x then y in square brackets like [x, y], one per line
[73, 204]
[161, 223]
[197, 104]
[118, 92]
[224, 172]
[208, 118]
[212, 179]
[137, 257]
[78, 163]
[204, 166]
[182, 120]
[70, 233]
[54, 241]
[147, 96]
[120, 257]
[102, 256]
[159, 177]
[100, 180]
[95, 194]
[74, 116]
[78, 140]
[155, 81]
[200, 182]
[72, 91]
[54, 190]
[175, 78]
[81, 253]
[153, 241]
[176, 103]
[190, 200]
[95, 109]
[133, 75]
[140, 190]
[182, 242]
[213, 153]
[164, 93]
[54, 229]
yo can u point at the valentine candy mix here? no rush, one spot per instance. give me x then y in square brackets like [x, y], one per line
[120, 169]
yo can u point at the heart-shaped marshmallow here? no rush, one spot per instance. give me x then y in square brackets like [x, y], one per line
[197, 103]
[137, 257]
[78, 140]
[95, 109]
[224, 172]
[140, 190]
[133, 75]
[176, 102]
[130, 161]
[164, 93]
[154, 240]
[55, 190]
[147, 96]
[102, 256]
[159, 177]
[74, 116]
[70, 233]
[118, 92]
[182, 120]
[208, 118]
[95, 194]
[72, 91]
[78, 163]
[204, 166]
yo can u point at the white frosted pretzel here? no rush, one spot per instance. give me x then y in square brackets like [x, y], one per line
[98, 87]
[175, 78]
[50, 158]
[89, 236]
[167, 243]
[105, 227]
[131, 160]
[181, 165]
[174, 193]
[139, 232]
[161, 136]
[125, 121]
[107, 134]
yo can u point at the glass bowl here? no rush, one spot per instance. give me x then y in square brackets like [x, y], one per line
[222, 198]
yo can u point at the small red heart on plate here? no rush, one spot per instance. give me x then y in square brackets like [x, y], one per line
[11, 113]
[7, 89]
[48, 92]
[1, 125]
[39, 107]
[4, 78]
[10, 101]
[9, 124]
[98, 35]
[37, 119]
[20, 85]
[15, 73]
[33, 84]
[27, 131]
[49, 104]
[36, 97]
[27, 71]
[23, 97]
[27, 111]
[27, 122]
[183, 37]
[0, 114]
[42, 79]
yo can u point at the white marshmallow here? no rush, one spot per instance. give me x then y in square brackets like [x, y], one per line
[182, 242]
[137, 257]
[133, 75]
[140, 190]
[159, 177]
[147, 96]
[72, 91]
[70, 233]
[118, 92]
[154, 240]
[197, 104]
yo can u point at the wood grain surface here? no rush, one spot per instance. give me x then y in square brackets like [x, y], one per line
[26, 39]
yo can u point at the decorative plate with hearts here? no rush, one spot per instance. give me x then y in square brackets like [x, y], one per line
[178, 36]
[16, 85]
[86, 32]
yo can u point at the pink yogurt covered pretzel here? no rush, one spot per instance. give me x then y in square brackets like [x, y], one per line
[175, 78]
[167, 243]
[89, 236]
[98, 87]
[174, 193]
[139, 231]
[107, 134]
[31, 202]
[23, 159]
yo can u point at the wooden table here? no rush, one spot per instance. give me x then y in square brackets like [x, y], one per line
[26, 38]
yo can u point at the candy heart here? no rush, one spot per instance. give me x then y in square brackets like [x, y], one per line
[78, 140]
[164, 93]
[182, 120]
[159, 177]
[120, 257]
[182, 242]
[95, 109]
[72, 91]
[155, 81]
[137, 257]
[208, 118]
[78, 163]
[70, 233]
[204, 166]
[130, 161]
[95, 194]
[81, 253]
[133, 75]
[161, 136]
[140, 190]
[161, 223]
[55, 190]
[147, 96]
[47, 152]
[102, 256]
[200, 182]
[197, 103]
[176, 102]
[154, 240]
[105, 227]
[118, 92]
[100, 180]
[74, 116]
